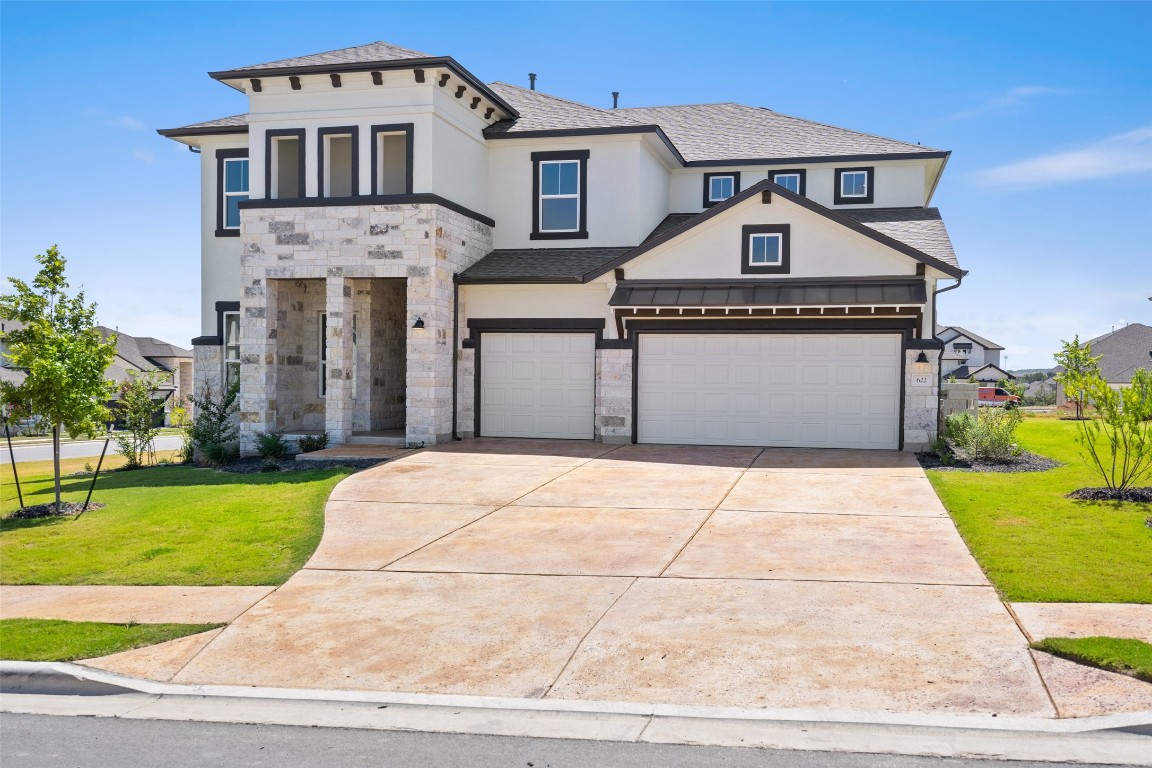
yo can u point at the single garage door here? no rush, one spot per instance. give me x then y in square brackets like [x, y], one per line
[538, 385]
[789, 390]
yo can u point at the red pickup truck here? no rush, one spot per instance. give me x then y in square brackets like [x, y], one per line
[998, 397]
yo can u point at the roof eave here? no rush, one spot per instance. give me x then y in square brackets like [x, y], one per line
[863, 157]
[222, 130]
[368, 66]
[546, 133]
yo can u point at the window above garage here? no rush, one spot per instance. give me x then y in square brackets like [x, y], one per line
[560, 195]
[765, 249]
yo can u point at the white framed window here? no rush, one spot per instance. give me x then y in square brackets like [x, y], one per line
[559, 196]
[720, 188]
[790, 181]
[285, 164]
[235, 190]
[853, 185]
[231, 349]
[355, 353]
[322, 363]
[766, 249]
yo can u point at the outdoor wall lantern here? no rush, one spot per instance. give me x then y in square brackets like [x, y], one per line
[419, 324]
[921, 358]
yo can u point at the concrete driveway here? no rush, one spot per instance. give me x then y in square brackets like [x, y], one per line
[674, 574]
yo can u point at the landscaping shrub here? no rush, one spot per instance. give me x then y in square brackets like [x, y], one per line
[309, 443]
[271, 445]
[988, 436]
[216, 454]
[213, 432]
[1117, 441]
[136, 411]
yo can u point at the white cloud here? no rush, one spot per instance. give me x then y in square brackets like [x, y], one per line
[1009, 98]
[144, 156]
[1125, 153]
[126, 121]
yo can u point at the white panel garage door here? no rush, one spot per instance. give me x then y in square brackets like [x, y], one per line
[792, 390]
[537, 385]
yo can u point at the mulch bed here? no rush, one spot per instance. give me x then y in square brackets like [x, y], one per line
[67, 509]
[254, 465]
[1143, 495]
[1025, 462]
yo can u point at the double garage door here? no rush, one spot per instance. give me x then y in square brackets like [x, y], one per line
[789, 390]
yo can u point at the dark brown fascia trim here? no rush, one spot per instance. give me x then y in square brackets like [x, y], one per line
[804, 202]
[561, 280]
[215, 130]
[537, 324]
[207, 341]
[821, 159]
[430, 62]
[923, 344]
[547, 133]
[827, 324]
[420, 198]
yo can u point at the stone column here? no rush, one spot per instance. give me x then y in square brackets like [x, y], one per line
[614, 395]
[257, 364]
[428, 416]
[338, 405]
[921, 399]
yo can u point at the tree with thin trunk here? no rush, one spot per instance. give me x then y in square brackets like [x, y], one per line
[62, 353]
[1079, 368]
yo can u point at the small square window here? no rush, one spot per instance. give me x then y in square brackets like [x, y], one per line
[719, 187]
[853, 185]
[791, 180]
[765, 249]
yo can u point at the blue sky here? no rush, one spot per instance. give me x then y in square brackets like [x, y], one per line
[1046, 107]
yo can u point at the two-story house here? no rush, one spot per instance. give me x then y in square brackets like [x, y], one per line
[393, 247]
[968, 356]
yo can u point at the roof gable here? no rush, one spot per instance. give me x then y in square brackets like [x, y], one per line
[1123, 351]
[969, 335]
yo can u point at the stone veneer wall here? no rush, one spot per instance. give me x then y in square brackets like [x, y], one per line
[614, 395]
[958, 397]
[423, 244]
[921, 400]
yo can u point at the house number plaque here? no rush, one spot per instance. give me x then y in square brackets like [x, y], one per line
[922, 380]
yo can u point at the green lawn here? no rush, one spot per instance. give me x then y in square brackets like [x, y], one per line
[1115, 654]
[168, 525]
[51, 640]
[1037, 546]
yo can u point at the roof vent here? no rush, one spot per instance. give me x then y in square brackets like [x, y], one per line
[615, 99]
[532, 81]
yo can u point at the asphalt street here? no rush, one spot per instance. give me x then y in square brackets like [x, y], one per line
[39, 741]
[78, 449]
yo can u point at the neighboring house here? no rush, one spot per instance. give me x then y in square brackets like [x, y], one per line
[393, 250]
[968, 356]
[1121, 353]
[172, 364]
[145, 354]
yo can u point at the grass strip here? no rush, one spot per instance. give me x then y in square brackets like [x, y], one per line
[54, 640]
[1125, 656]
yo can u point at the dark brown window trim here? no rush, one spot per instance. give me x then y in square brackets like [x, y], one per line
[221, 156]
[839, 199]
[708, 183]
[792, 171]
[785, 265]
[280, 133]
[538, 157]
[222, 307]
[418, 198]
[408, 129]
[347, 130]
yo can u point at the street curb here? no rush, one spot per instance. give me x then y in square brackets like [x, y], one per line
[72, 689]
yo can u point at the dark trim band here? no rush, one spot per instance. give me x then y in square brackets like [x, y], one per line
[420, 198]
[537, 324]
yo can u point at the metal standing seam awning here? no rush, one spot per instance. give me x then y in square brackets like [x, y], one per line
[769, 293]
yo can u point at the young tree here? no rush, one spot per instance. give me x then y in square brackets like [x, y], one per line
[1117, 442]
[136, 410]
[1012, 386]
[62, 353]
[1079, 368]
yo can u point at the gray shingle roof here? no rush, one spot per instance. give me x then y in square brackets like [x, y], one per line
[539, 264]
[728, 131]
[786, 292]
[1123, 352]
[921, 228]
[670, 222]
[541, 112]
[378, 51]
[135, 353]
[968, 334]
[230, 124]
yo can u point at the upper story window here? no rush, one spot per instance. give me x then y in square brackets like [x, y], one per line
[853, 185]
[284, 164]
[791, 180]
[962, 347]
[231, 190]
[392, 159]
[338, 161]
[560, 195]
[718, 187]
[766, 249]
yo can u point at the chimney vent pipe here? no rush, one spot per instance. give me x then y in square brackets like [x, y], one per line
[615, 99]
[532, 80]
